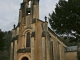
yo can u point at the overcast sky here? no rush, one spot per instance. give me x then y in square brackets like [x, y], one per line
[9, 12]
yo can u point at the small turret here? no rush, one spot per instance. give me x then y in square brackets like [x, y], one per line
[45, 19]
[14, 26]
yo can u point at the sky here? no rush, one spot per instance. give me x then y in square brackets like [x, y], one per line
[9, 12]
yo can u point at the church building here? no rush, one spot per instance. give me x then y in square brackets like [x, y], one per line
[32, 39]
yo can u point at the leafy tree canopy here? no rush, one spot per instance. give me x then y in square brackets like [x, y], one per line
[2, 41]
[65, 20]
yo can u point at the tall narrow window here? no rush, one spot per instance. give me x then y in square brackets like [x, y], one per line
[52, 56]
[28, 40]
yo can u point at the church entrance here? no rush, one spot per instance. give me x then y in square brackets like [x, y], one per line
[24, 58]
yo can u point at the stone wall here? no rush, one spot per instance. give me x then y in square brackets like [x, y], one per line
[71, 55]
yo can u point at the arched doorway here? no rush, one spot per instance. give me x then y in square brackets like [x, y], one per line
[24, 58]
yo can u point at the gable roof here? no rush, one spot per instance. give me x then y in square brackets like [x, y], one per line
[57, 36]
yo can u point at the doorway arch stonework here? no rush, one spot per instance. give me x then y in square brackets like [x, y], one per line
[25, 56]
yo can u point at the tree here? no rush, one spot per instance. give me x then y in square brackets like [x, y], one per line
[2, 41]
[5, 39]
[65, 20]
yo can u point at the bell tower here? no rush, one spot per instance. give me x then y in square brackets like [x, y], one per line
[28, 13]
[29, 10]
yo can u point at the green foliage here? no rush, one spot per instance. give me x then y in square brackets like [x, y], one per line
[4, 55]
[65, 20]
[2, 41]
[5, 38]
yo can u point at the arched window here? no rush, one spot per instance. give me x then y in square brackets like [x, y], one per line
[28, 40]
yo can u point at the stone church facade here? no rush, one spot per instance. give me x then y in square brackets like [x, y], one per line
[32, 39]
